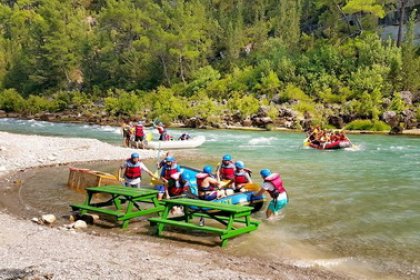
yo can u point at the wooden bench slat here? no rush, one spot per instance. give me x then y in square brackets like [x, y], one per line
[188, 225]
[97, 210]
[119, 190]
[209, 205]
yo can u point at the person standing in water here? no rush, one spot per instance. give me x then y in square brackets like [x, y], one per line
[273, 184]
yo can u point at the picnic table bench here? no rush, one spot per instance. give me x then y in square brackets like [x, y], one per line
[226, 214]
[119, 196]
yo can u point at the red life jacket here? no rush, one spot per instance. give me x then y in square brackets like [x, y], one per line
[160, 129]
[139, 131]
[241, 178]
[200, 178]
[277, 182]
[227, 172]
[133, 170]
[170, 171]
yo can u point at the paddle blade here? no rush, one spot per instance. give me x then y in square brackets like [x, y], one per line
[252, 187]
[149, 137]
[225, 183]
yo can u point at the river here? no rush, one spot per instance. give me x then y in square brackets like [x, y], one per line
[356, 210]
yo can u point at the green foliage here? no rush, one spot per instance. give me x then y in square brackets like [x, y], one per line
[380, 126]
[367, 6]
[359, 125]
[35, 104]
[368, 125]
[292, 92]
[11, 101]
[246, 105]
[397, 104]
[178, 59]
[122, 103]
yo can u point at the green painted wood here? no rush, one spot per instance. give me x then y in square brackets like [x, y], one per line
[136, 214]
[115, 213]
[205, 215]
[239, 231]
[187, 225]
[209, 205]
[124, 191]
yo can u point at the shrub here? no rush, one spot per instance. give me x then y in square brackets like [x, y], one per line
[380, 126]
[35, 104]
[11, 101]
[359, 125]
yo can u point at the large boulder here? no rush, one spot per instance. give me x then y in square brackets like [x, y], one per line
[2, 114]
[407, 97]
[287, 113]
[247, 122]
[193, 122]
[263, 111]
[409, 119]
[391, 118]
[336, 121]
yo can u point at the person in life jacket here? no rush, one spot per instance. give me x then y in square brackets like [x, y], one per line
[168, 176]
[125, 130]
[242, 177]
[184, 136]
[163, 133]
[139, 132]
[132, 170]
[273, 184]
[207, 185]
[226, 170]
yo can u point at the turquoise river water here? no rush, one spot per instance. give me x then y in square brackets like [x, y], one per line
[357, 209]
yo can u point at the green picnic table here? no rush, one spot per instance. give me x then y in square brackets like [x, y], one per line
[124, 202]
[229, 216]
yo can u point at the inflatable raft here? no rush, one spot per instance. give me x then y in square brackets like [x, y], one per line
[170, 145]
[335, 145]
[246, 198]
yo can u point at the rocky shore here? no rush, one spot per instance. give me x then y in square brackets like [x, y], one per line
[32, 251]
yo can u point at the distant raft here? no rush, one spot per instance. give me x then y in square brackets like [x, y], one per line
[334, 145]
[172, 144]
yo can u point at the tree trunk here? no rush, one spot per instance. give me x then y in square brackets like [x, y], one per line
[165, 70]
[181, 69]
[401, 23]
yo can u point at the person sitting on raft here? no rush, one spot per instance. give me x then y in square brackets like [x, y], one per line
[184, 136]
[226, 170]
[132, 170]
[208, 186]
[162, 132]
[242, 177]
[167, 176]
[273, 184]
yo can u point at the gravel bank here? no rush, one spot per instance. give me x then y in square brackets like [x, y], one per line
[31, 251]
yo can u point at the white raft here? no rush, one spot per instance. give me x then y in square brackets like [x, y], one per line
[172, 144]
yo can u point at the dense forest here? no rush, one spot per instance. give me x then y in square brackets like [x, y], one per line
[263, 63]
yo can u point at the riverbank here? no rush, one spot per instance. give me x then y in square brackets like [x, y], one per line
[410, 132]
[32, 251]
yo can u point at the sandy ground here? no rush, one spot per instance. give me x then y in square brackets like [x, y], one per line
[32, 251]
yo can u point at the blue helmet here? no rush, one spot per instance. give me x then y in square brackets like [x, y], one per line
[185, 176]
[207, 169]
[135, 155]
[170, 159]
[265, 173]
[227, 157]
[239, 164]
